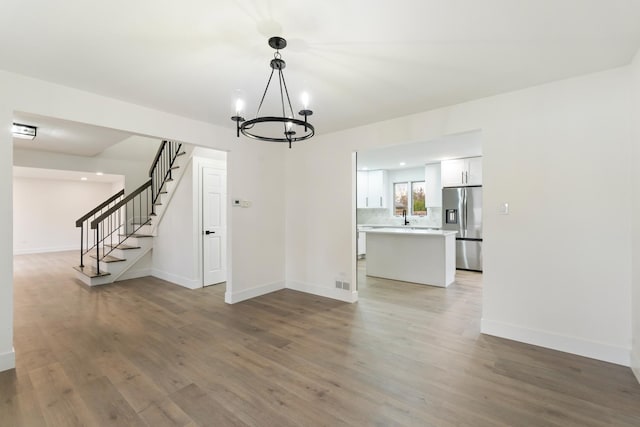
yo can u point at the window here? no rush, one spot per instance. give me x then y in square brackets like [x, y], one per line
[402, 199]
[418, 206]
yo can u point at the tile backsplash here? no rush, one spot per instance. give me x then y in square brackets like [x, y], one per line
[383, 217]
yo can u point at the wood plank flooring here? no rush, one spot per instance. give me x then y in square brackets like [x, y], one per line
[148, 353]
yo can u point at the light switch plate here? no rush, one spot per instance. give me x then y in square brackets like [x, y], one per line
[503, 209]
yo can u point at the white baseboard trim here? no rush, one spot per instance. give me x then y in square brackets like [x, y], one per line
[47, 250]
[567, 344]
[7, 360]
[321, 291]
[635, 365]
[174, 278]
[135, 274]
[234, 297]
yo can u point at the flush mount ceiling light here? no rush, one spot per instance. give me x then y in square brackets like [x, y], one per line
[23, 131]
[284, 128]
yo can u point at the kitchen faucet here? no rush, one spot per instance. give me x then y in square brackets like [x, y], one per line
[404, 215]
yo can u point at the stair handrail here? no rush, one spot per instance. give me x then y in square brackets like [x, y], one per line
[121, 203]
[99, 207]
[117, 230]
[84, 233]
[157, 157]
[161, 169]
[110, 224]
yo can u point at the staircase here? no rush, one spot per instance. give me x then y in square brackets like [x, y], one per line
[116, 234]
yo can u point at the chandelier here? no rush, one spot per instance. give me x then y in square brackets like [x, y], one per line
[284, 128]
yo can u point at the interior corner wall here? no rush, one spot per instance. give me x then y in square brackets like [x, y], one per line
[255, 172]
[45, 211]
[635, 292]
[557, 273]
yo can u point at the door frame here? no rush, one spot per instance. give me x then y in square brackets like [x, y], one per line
[199, 163]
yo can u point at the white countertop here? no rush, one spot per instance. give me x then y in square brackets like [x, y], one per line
[426, 227]
[409, 230]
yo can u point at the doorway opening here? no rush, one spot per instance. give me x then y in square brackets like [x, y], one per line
[96, 153]
[399, 198]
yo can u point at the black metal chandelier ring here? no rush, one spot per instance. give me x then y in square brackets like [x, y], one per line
[248, 124]
[246, 127]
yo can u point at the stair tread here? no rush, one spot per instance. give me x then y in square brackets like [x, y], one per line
[136, 235]
[108, 258]
[90, 271]
[123, 246]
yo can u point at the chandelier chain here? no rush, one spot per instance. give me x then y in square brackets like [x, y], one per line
[265, 92]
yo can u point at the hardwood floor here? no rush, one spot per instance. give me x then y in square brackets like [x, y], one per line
[145, 352]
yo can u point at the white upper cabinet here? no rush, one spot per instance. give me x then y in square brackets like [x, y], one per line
[474, 171]
[377, 189]
[372, 189]
[362, 188]
[462, 172]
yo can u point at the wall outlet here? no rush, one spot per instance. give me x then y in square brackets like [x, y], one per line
[245, 203]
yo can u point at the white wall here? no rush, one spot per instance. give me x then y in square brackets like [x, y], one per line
[635, 294]
[255, 173]
[433, 178]
[45, 212]
[553, 274]
[175, 255]
[7, 357]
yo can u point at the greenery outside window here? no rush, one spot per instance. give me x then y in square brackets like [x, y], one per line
[413, 202]
[418, 206]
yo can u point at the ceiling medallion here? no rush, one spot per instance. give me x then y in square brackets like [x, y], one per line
[287, 129]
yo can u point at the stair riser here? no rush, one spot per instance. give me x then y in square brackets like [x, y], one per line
[95, 281]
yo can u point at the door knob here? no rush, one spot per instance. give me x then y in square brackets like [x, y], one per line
[209, 232]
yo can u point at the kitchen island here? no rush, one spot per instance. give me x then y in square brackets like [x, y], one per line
[423, 256]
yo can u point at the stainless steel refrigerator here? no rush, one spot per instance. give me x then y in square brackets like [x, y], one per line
[462, 212]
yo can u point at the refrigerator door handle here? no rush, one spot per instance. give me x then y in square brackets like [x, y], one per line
[464, 203]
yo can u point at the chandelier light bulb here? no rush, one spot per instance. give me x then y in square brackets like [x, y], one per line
[239, 107]
[305, 100]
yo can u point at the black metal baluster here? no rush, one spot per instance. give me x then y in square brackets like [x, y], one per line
[97, 250]
[81, 246]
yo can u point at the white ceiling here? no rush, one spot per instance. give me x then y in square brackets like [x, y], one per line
[63, 136]
[468, 144]
[361, 61]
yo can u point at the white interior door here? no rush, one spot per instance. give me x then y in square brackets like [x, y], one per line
[214, 225]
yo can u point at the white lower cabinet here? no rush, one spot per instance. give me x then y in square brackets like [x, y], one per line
[362, 244]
